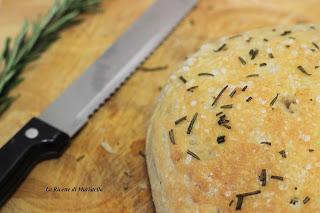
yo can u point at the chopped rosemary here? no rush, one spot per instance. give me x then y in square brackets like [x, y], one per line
[80, 158]
[242, 60]
[239, 203]
[249, 99]
[227, 106]
[266, 40]
[244, 88]
[294, 201]
[287, 32]
[231, 202]
[219, 95]
[303, 70]
[249, 39]
[252, 75]
[222, 47]
[193, 154]
[180, 120]
[233, 93]
[276, 177]
[270, 55]
[171, 136]
[221, 139]
[219, 113]
[242, 196]
[182, 79]
[192, 123]
[266, 143]
[253, 53]
[249, 193]
[311, 150]
[205, 74]
[274, 100]
[153, 69]
[226, 126]
[263, 177]
[263, 64]
[222, 117]
[306, 200]
[191, 89]
[283, 153]
[222, 120]
[315, 45]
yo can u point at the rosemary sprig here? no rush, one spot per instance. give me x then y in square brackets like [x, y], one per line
[30, 43]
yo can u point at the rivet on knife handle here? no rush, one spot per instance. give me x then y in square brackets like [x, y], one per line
[35, 142]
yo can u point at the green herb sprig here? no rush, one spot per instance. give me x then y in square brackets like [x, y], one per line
[32, 41]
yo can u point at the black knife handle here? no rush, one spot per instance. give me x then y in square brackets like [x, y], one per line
[35, 142]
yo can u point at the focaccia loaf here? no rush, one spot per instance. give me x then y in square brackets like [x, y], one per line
[237, 127]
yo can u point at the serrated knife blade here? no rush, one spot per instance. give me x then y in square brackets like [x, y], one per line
[71, 110]
[49, 135]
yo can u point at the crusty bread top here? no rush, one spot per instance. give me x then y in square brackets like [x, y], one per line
[238, 126]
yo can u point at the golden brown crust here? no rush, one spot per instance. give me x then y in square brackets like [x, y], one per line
[267, 143]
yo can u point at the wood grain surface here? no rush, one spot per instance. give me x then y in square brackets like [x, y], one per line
[122, 121]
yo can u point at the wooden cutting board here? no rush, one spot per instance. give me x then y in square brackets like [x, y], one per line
[122, 122]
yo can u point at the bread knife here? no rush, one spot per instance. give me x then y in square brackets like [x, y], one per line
[47, 136]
